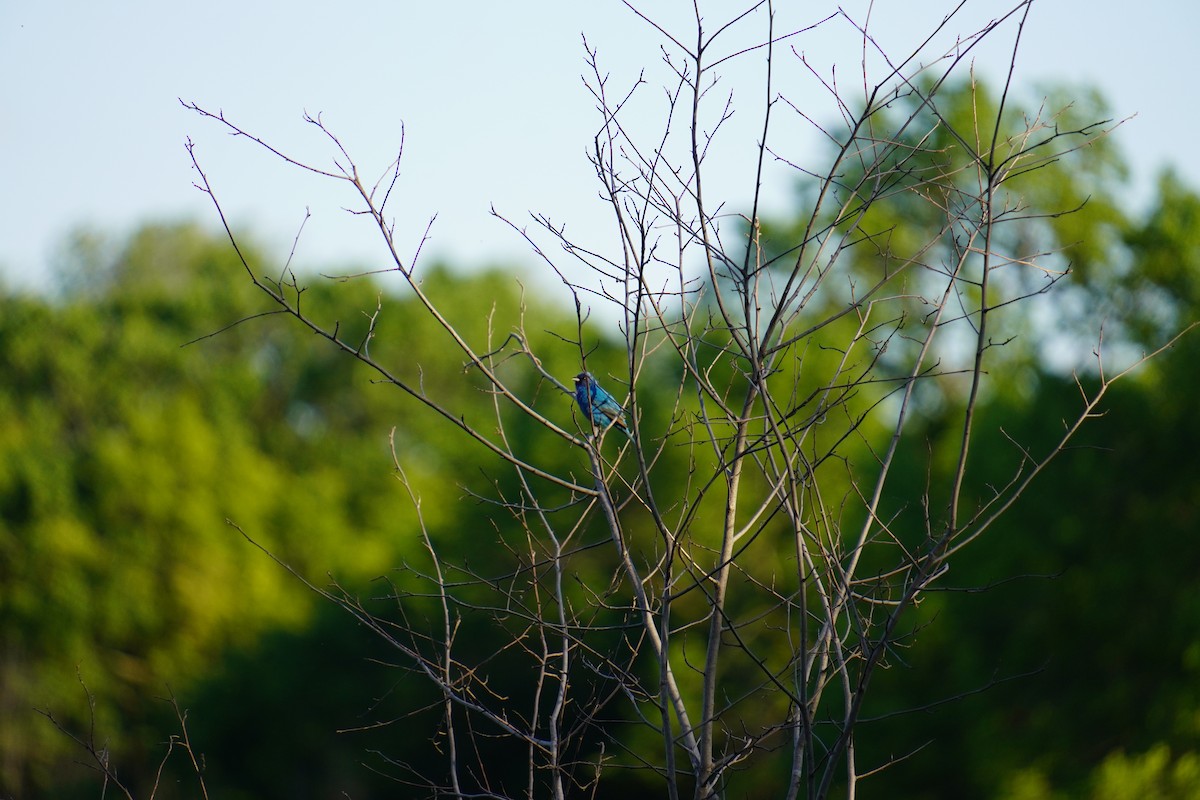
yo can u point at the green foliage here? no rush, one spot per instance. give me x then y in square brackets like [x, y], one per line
[1168, 242]
[1152, 775]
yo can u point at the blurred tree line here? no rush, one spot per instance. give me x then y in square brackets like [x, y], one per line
[1067, 641]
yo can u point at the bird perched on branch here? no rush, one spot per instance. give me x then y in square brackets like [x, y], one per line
[599, 405]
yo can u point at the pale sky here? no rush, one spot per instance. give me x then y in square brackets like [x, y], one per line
[495, 112]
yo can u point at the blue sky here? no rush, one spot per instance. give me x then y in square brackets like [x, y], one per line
[491, 98]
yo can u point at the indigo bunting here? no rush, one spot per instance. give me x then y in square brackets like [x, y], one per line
[598, 404]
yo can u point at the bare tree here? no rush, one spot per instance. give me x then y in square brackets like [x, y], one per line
[754, 590]
[99, 758]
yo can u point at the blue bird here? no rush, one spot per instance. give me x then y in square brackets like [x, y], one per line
[599, 405]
